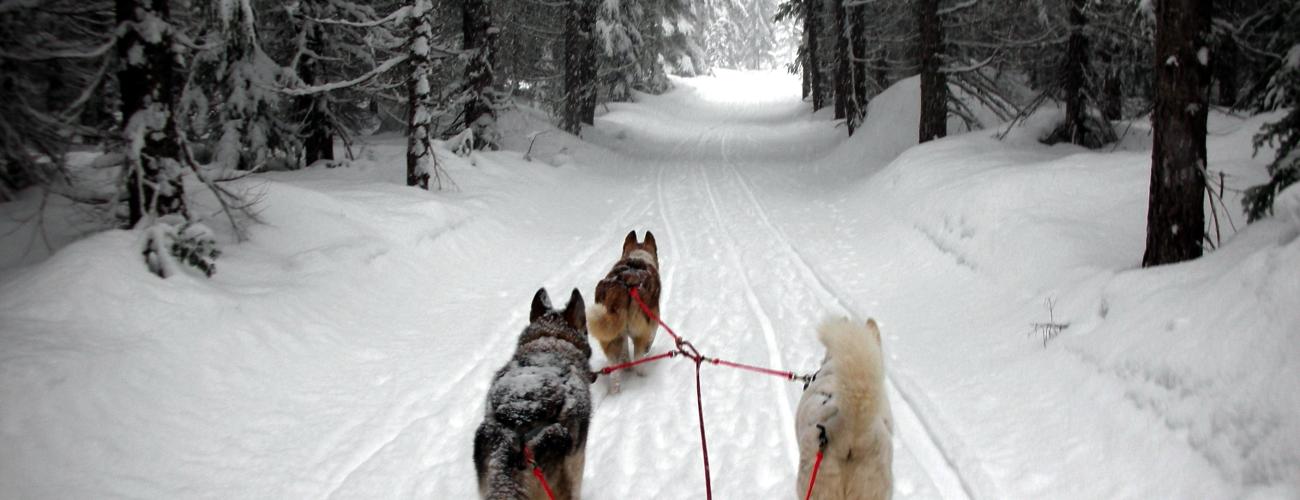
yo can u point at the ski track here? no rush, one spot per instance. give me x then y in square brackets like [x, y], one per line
[765, 323]
[915, 431]
[699, 190]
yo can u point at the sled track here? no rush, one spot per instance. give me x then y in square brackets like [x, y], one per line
[765, 324]
[947, 477]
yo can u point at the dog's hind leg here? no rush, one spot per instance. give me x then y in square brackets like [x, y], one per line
[570, 483]
[642, 330]
[640, 347]
[615, 353]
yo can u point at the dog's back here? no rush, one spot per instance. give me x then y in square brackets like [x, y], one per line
[844, 412]
[540, 400]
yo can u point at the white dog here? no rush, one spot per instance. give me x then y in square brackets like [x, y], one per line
[844, 413]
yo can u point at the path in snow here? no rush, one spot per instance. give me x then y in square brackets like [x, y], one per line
[740, 290]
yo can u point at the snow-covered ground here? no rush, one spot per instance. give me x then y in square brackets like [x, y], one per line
[345, 349]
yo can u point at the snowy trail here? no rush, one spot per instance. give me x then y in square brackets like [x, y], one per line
[769, 298]
[915, 434]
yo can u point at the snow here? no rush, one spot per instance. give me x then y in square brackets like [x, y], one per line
[346, 348]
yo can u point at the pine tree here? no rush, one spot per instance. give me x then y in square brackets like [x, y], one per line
[580, 65]
[1175, 213]
[239, 78]
[738, 33]
[1280, 92]
[148, 81]
[812, 29]
[323, 41]
[479, 42]
[619, 40]
[843, 66]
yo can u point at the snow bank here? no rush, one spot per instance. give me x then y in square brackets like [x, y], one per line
[1204, 353]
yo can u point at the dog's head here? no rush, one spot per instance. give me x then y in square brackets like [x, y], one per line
[569, 323]
[645, 250]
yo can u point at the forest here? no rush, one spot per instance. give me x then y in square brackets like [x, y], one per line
[218, 89]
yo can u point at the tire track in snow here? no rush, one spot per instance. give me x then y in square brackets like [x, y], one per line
[919, 432]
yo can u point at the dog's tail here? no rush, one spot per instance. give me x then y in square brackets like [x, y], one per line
[499, 460]
[607, 315]
[855, 353]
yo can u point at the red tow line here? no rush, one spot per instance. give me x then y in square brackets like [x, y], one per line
[537, 471]
[813, 479]
[695, 356]
[689, 351]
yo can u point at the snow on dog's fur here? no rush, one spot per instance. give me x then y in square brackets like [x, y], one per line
[844, 412]
[541, 399]
[615, 318]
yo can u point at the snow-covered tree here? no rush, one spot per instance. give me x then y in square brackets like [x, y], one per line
[670, 42]
[234, 81]
[619, 39]
[1281, 92]
[739, 34]
[322, 41]
[479, 43]
[808, 62]
[421, 162]
[148, 81]
[580, 65]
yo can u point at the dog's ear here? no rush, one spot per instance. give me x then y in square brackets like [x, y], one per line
[629, 243]
[575, 314]
[541, 304]
[873, 330]
[650, 243]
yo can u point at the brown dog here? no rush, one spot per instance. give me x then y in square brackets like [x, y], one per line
[614, 318]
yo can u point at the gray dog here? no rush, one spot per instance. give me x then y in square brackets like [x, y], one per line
[541, 400]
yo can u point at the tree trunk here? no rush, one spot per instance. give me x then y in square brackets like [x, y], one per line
[807, 75]
[934, 84]
[813, 31]
[1175, 213]
[857, 50]
[312, 110]
[147, 83]
[1225, 69]
[1113, 106]
[579, 65]
[480, 41]
[879, 73]
[1075, 72]
[843, 72]
[419, 148]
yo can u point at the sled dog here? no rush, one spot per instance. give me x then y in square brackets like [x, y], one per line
[844, 413]
[616, 318]
[540, 400]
